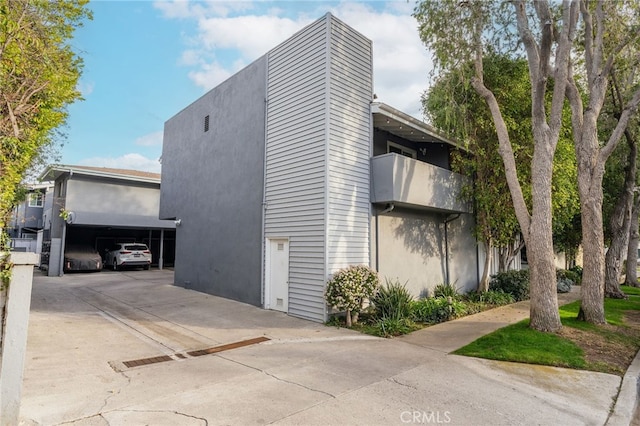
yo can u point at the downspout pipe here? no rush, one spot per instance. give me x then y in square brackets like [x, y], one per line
[386, 210]
[446, 221]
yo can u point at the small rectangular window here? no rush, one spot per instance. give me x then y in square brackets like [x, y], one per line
[206, 123]
[36, 199]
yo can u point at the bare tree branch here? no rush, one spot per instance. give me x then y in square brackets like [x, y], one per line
[563, 61]
[617, 133]
[12, 118]
[506, 151]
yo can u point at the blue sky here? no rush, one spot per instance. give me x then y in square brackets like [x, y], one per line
[147, 60]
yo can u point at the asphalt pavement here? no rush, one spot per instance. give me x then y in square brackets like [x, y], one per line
[129, 348]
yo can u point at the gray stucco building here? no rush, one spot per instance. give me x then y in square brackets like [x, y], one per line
[289, 171]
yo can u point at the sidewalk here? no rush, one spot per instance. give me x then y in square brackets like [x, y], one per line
[86, 329]
[451, 335]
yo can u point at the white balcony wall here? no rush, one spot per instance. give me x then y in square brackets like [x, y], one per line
[405, 181]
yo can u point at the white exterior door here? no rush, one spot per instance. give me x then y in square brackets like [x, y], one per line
[278, 275]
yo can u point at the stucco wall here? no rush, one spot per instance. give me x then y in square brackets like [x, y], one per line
[411, 247]
[99, 196]
[213, 182]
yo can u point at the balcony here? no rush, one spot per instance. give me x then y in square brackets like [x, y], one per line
[407, 182]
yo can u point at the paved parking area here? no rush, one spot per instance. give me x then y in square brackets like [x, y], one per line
[115, 348]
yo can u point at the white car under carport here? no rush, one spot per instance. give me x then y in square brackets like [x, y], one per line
[128, 254]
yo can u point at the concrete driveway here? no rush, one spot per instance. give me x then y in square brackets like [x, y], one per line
[129, 348]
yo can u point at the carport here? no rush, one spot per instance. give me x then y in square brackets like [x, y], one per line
[160, 241]
[95, 207]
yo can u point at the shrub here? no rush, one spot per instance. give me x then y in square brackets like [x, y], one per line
[515, 283]
[445, 290]
[433, 310]
[577, 270]
[392, 301]
[494, 297]
[570, 275]
[388, 327]
[473, 307]
[349, 287]
[564, 285]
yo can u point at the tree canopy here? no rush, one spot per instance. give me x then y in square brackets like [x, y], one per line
[454, 106]
[39, 72]
[571, 48]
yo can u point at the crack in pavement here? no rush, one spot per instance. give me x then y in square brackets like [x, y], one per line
[101, 415]
[68, 422]
[278, 378]
[119, 391]
[398, 382]
[206, 422]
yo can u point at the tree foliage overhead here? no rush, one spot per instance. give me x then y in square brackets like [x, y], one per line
[39, 72]
[572, 48]
[455, 107]
[467, 31]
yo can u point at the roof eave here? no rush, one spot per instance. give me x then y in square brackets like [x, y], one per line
[418, 126]
[53, 172]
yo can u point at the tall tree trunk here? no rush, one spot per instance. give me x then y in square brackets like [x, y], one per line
[631, 276]
[590, 188]
[592, 307]
[544, 315]
[619, 229]
[483, 285]
[590, 174]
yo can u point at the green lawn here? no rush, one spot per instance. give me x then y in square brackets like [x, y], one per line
[519, 343]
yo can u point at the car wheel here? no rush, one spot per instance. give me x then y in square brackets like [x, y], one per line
[146, 267]
[115, 264]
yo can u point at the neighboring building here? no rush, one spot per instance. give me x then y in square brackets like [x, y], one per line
[289, 171]
[27, 221]
[102, 206]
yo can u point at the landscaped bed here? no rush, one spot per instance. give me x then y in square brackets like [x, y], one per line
[608, 348]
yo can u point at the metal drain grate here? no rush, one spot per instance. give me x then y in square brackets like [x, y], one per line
[146, 361]
[180, 356]
[227, 347]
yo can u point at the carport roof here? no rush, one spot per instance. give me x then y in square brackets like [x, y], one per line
[54, 171]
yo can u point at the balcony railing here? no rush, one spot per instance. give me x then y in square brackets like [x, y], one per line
[405, 181]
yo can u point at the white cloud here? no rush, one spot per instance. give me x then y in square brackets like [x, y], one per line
[401, 63]
[182, 9]
[223, 44]
[210, 75]
[251, 35]
[130, 161]
[151, 139]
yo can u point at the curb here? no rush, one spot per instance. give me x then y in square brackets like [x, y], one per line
[626, 404]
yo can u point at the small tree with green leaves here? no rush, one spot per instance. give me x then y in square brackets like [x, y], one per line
[348, 288]
[39, 72]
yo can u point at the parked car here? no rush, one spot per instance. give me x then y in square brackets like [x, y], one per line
[82, 258]
[128, 254]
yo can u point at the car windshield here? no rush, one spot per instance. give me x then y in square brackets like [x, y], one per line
[136, 247]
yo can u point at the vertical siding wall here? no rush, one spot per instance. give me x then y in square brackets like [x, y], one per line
[351, 91]
[295, 162]
[319, 89]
